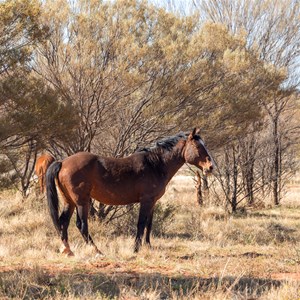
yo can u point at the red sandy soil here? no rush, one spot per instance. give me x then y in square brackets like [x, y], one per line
[126, 269]
[286, 276]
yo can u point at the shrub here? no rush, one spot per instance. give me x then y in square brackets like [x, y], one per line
[126, 221]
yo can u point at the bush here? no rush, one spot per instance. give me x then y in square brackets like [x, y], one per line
[125, 223]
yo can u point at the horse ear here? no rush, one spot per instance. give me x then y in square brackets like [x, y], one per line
[198, 131]
[192, 134]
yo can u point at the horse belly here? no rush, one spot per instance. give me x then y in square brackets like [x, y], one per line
[114, 197]
[126, 189]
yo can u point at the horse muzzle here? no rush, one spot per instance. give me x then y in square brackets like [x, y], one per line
[208, 170]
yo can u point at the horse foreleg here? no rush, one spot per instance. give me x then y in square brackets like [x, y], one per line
[148, 228]
[64, 221]
[82, 225]
[144, 217]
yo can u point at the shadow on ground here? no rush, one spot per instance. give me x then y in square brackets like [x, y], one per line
[40, 283]
[270, 216]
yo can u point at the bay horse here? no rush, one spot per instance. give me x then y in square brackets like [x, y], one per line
[139, 178]
[40, 168]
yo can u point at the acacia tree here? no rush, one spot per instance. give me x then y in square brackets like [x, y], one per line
[134, 72]
[100, 60]
[19, 30]
[31, 113]
[126, 66]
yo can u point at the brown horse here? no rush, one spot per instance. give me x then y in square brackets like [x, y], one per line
[41, 166]
[141, 177]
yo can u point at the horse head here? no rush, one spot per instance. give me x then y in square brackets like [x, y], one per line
[195, 153]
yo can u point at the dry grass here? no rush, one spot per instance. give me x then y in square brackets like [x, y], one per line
[203, 254]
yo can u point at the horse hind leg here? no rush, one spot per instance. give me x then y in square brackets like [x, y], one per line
[82, 225]
[64, 221]
[42, 184]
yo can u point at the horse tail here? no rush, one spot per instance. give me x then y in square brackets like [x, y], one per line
[52, 195]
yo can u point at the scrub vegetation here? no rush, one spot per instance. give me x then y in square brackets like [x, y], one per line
[112, 77]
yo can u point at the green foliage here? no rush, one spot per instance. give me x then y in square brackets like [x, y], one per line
[32, 116]
[32, 111]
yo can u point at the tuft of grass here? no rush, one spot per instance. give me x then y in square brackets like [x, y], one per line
[287, 291]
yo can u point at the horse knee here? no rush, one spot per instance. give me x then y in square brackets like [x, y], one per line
[83, 228]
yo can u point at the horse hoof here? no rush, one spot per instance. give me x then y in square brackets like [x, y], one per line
[68, 252]
[99, 255]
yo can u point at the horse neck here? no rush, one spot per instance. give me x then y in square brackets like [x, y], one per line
[174, 160]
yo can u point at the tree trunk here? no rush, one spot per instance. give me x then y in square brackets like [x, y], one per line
[202, 189]
[234, 183]
[276, 164]
[199, 189]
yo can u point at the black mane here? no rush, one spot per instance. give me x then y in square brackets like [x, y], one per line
[165, 144]
[154, 155]
[169, 142]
